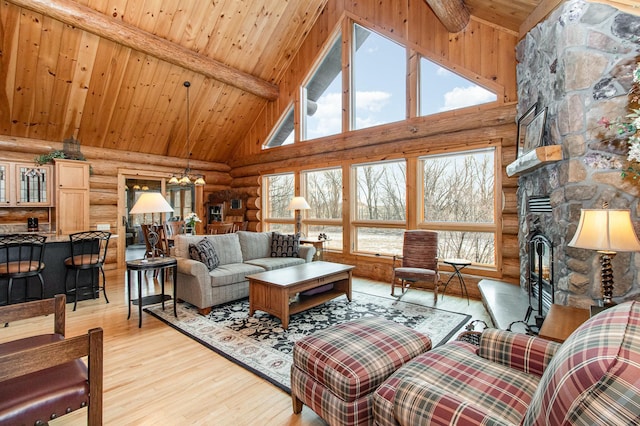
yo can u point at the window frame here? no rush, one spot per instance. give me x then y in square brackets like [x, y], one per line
[267, 219]
[480, 227]
[355, 222]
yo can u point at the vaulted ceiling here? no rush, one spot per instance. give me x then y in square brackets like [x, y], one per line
[111, 74]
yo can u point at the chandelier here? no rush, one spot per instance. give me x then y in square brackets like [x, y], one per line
[186, 178]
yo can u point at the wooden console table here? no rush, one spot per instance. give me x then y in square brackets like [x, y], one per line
[561, 321]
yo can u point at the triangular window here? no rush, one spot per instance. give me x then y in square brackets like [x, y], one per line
[442, 90]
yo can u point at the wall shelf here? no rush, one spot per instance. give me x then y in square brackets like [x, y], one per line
[534, 159]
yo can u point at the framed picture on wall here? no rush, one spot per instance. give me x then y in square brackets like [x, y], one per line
[535, 131]
[523, 122]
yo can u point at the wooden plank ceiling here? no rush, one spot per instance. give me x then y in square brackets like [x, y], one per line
[108, 90]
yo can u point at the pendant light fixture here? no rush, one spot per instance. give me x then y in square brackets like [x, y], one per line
[186, 178]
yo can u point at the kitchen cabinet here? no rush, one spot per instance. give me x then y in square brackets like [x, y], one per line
[72, 196]
[25, 185]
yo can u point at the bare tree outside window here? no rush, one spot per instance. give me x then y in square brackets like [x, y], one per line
[381, 191]
[459, 190]
[280, 191]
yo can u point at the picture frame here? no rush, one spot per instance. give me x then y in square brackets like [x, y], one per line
[535, 130]
[524, 120]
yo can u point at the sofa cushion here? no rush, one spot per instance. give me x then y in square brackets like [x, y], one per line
[204, 252]
[232, 273]
[227, 246]
[284, 245]
[270, 263]
[593, 378]
[254, 245]
[455, 369]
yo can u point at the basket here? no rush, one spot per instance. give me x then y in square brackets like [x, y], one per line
[472, 335]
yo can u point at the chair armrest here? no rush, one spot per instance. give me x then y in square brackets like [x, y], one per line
[528, 354]
[417, 402]
[21, 311]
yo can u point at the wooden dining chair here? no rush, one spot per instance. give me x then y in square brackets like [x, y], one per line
[221, 228]
[43, 377]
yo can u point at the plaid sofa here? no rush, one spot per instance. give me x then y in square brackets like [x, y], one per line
[593, 378]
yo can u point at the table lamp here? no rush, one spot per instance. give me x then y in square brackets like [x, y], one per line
[298, 204]
[151, 202]
[607, 231]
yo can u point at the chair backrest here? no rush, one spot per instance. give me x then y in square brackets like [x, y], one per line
[89, 248]
[594, 378]
[174, 227]
[27, 364]
[420, 249]
[221, 228]
[155, 239]
[21, 254]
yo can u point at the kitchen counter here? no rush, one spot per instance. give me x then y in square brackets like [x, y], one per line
[57, 249]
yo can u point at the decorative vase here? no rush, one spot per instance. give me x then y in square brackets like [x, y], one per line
[191, 230]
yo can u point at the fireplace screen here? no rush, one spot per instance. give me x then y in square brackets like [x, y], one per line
[540, 280]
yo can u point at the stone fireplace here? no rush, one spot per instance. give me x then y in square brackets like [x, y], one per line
[578, 64]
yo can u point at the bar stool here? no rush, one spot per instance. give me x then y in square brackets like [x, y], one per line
[21, 257]
[88, 252]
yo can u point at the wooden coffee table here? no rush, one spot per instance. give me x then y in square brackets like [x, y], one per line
[270, 291]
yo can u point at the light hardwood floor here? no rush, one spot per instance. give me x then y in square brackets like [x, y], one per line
[157, 376]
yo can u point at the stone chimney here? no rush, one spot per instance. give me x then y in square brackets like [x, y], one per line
[578, 64]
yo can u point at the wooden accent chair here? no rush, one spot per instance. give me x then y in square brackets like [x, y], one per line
[88, 252]
[21, 258]
[155, 239]
[419, 262]
[43, 377]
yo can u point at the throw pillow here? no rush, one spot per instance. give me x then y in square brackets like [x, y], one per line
[204, 252]
[284, 245]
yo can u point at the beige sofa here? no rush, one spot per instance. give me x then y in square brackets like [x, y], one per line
[241, 253]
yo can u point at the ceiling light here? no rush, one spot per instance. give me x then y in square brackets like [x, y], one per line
[186, 178]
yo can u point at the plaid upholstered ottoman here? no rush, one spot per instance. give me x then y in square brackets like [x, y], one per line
[336, 370]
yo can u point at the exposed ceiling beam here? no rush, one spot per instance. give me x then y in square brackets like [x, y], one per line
[453, 14]
[130, 36]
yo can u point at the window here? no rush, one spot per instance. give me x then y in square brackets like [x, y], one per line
[458, 200]
[322, 96]
[379, 80]
[379, 207]
[284, 132]
[442, 90]
[323, 191]
[278, 190]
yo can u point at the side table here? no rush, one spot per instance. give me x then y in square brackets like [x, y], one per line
[458, 265]
[318, 244]
[143, 265]
[561, 321]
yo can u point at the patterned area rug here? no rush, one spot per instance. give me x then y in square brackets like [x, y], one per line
[262, 346]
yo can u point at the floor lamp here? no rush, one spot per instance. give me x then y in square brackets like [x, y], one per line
[298, 204]
[151, 202]
[607, 231]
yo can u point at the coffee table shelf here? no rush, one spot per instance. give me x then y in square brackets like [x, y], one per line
[271, 291]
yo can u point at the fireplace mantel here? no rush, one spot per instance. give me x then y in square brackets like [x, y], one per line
[534, 159]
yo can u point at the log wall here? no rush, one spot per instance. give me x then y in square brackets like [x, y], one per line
[481, 52]
[103, 195]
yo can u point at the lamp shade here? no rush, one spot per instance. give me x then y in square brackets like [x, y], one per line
[607, 230]
[151, 202]
[298, 203]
